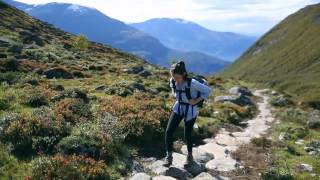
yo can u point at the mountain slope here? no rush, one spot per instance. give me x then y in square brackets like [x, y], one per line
[101, 28]
[287, 57]
[194, 37]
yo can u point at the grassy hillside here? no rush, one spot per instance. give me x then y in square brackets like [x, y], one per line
[286, 58]
[73, 109]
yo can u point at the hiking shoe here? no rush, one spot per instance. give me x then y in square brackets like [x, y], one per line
[168, 161]
[189, 161]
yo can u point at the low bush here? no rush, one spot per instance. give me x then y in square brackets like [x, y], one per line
[233, 113]
[68, 167]
[73, 110]
[10, 168]
[4, 104]
[276, 173]
[143, 117]
[90, 139]
[39, 132]
[35, 99]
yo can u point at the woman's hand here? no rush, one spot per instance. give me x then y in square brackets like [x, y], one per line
[195, 101]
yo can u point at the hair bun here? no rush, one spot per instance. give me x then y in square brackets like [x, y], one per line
[181, 63]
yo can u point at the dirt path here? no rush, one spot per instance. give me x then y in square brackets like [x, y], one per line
[215, 154]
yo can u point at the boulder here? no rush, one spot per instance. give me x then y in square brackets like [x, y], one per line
[239, 90]
[178, 173]
[204, 176]
[134, 70]
[100, 88]
[280, 101]
[140, 176]
[314, 119]
[16, 49]
[2, 55]
[58, 73]
[313, 148]
[236, 99]
[222, 164]
[145, 73]
[198, 154]
[305, 167]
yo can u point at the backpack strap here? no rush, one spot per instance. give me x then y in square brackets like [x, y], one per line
[188, 92]
[173, 82]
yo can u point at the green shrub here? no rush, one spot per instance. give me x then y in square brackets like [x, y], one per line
[88, 139]
[80, 42]
[276, 173]
[4, 104]
[68, 167]
[10, 168]
[39, 132]
[142, 117]
[73, 110]
[10, 77]
[35, 100]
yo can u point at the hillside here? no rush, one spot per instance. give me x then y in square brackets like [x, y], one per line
[224, 45]
[103, 29]
[287, 57]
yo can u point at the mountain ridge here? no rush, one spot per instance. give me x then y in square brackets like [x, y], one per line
[226, 45]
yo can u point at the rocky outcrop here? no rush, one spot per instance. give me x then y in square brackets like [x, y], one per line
[58, 73]
[240, 90]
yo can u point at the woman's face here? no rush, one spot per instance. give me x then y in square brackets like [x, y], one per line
[178, 78]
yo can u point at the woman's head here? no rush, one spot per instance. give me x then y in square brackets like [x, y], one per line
[179, 72]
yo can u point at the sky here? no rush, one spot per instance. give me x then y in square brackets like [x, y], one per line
[250, 17]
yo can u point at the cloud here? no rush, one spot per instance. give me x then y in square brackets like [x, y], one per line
[245, 16]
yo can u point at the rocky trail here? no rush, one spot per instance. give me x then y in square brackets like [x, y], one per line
[214, 157]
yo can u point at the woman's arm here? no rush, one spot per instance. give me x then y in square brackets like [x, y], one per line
[173, 93]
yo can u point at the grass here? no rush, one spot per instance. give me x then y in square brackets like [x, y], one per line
[286, 58]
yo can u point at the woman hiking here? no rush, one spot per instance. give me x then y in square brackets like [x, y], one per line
[189, 93]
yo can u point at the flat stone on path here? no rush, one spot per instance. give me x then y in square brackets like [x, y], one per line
[222, 164]
[198, 154]
[140, 176]
[163, 178]
[204, 176]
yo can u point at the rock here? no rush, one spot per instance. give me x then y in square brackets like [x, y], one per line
[140, 176]
[38, 71]
[58, 87]
[313, 148]
[2, 55]
[17, 49]
[158, 168]
[163, 178]
[198, 154]
[305, 167]
[204, 176]
[134, 70]
[237, 90]
[236, 99]
[274, 93]
[58, 73]
[299, 142]
[314, 119]
[222, 164]
[100, 88]
[178, 173]
[145, 73]
[284, 136]
[280, 101]
[78, 74]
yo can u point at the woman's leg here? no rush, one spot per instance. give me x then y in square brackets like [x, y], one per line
[173, 123]
[188, 134]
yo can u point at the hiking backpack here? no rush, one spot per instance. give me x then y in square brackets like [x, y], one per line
[198, 78]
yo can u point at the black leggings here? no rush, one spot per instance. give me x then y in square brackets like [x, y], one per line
[173, 123]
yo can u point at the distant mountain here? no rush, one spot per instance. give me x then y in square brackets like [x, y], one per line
[287, 57]
[185, 35]
[101, 28]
